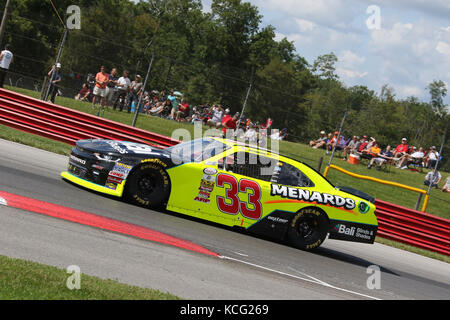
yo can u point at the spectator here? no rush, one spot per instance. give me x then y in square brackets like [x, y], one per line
[111, 88]
[401, 149]
[84, 93]
[320, 142]
[363, 145]
[332, 142]
[446, 186]
[433, 178]
[416, 157]
[6, 58]
[431, 158]
[183, 110]
[158, 109]
[136, 89]
[101, 79]
[251, 135]
[123, 87]
[351, 147]
[174, 102]
[217, 115]
[373, 151]
[55, 78]
[383, 157]
[282, 135]
[229, 124]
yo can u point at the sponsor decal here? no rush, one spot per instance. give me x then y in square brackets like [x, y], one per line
[117, 147]
[76, 159]
[352, 231]
[120, 170]
[114, 180]
[111, 185]
[209, 171]
[277, 219]
[314, 196]
[207, 184]
[363, 207]
[141, 201]
[156, 161]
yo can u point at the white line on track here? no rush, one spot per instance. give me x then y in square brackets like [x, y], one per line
[309, 279]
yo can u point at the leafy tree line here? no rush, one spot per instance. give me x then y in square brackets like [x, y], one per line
[212, 57]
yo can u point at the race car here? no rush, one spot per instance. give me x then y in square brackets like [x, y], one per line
[229, 183]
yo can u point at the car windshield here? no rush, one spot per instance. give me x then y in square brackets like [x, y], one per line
[196, 150]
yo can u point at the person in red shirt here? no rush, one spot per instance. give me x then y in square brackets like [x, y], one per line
[183, 110]
[401, 149]
[229, 123]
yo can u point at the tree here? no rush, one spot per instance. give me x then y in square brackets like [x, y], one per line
[325, 66]
[438, 90]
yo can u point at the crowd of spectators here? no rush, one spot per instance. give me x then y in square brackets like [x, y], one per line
[403, 156]
[110, 91]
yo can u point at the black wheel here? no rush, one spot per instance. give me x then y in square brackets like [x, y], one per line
[308, 228]
[148, 186]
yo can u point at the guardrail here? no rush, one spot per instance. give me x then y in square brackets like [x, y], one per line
[413, 227]
[406, 225]
[68, 125]
[389, 183]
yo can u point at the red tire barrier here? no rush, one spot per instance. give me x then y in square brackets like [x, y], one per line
[413, 227]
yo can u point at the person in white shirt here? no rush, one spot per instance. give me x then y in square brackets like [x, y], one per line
[123, 86]
[217, 115]
[433, 178]
[446, 186]
[431, 158]
[416, 157]
[6, 58]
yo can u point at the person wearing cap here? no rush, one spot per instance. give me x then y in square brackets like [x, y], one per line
[431, 158]
[320, 142]
[101, 79]
[6, 58]
[136, 90]
[55, 78]
[351, 147]
[401, 150]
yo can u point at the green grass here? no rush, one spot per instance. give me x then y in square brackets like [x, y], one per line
[439, 203]
[25, 280]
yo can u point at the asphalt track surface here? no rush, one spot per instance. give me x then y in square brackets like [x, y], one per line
[248, 267]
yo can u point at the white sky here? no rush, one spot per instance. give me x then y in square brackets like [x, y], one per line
[410, 49]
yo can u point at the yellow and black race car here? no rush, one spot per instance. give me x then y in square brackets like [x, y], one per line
[229, 183]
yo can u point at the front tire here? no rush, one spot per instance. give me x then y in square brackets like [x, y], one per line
[308, 228]
[148, 186]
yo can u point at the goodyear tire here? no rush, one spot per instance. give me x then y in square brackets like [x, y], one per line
[308, 229]
[148, 186]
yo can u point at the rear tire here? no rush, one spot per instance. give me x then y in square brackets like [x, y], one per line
[308, 228]
[148, 186]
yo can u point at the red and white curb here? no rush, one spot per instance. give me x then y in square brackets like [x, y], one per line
[96, 221]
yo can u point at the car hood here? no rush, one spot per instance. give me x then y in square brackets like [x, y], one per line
[116, 147]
